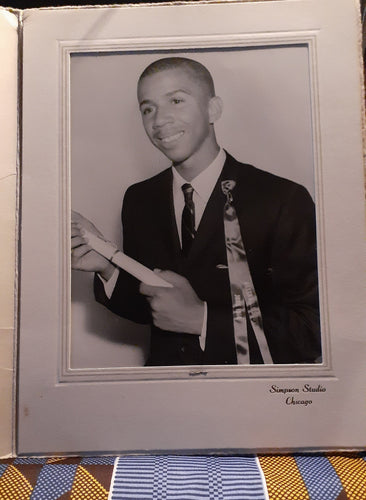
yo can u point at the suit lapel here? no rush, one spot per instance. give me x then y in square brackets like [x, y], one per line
[212, 225]
[211, 228]
[246, 201]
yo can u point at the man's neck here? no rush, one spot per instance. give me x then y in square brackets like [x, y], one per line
[197, 163]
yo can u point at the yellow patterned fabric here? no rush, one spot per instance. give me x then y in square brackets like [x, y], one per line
[56, 478]
[284, 481]
[351, 470]
[14, 485]
[86, 486]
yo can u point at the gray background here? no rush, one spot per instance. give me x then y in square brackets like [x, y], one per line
[266, 122]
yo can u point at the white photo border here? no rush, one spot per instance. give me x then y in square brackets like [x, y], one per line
[68, 374]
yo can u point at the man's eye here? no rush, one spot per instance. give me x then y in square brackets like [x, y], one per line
[146, 111]
[177, 100]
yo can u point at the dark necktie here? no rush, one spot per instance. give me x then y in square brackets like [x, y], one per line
[243, 295]
[188, 219]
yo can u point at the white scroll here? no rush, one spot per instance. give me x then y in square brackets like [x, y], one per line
[121, 260]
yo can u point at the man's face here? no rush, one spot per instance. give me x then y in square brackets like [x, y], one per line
[175, 113]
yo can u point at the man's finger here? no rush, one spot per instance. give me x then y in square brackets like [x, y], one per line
[76, 217]
[84, 223]
[76, 241]
[171, 277]
[148, 290]
[80, 251]
[75, 229]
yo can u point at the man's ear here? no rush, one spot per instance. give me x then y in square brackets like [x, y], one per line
[214, 108]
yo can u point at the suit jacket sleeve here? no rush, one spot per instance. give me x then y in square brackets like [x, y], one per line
[126, 300]
[291, 317]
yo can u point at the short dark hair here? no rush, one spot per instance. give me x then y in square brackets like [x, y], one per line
[198, 70]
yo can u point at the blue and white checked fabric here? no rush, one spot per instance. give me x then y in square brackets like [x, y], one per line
[54, 481]
[327, 486]
[187, 478]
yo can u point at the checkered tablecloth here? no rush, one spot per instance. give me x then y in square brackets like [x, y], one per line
[169, 477]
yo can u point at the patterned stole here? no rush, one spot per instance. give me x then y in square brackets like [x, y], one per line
[243, 295]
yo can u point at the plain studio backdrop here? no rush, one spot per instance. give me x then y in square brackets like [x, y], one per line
[266, 122]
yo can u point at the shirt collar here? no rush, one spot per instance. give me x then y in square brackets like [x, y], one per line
[205, 182]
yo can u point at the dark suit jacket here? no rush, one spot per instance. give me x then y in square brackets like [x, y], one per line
[277, 222]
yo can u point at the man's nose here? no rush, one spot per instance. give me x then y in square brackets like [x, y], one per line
[162, 116]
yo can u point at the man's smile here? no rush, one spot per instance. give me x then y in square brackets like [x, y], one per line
[167, 139]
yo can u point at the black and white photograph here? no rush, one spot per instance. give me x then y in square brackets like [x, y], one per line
[211, 152]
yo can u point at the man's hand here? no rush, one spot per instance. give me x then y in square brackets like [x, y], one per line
[176, 309]
[83, 258]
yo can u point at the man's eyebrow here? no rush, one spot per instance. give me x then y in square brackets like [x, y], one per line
[145, 101]
[185, 91]
[168, 94]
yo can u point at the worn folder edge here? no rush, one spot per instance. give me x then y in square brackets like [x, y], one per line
[10, 41]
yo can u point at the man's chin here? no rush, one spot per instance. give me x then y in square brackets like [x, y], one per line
[178, 161]
[174, 157]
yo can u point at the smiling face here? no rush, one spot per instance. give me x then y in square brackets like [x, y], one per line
[178, 115]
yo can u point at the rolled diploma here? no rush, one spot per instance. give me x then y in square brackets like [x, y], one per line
[111, 252]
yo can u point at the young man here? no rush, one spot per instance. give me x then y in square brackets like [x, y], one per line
[238, 244]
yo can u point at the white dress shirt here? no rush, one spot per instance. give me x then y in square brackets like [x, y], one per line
[203, 186]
